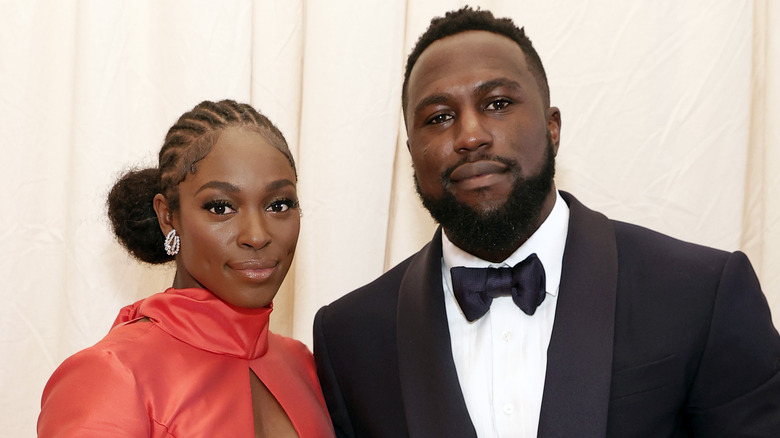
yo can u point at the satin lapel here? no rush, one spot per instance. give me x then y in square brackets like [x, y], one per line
[579, 358]
[432, 397]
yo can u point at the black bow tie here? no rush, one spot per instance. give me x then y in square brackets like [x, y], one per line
[475, 288]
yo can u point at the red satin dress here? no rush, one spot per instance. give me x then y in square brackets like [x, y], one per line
[183, 373]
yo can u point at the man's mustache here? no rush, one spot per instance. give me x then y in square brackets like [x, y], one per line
[511, 164]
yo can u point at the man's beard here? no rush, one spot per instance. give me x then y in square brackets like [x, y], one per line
[497, 230]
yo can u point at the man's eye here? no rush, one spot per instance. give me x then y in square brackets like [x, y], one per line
[498, 104]
[219, 207]
[282, 205]
[439, 118]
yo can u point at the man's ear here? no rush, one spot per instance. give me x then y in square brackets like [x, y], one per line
[554, 126]
[164, 213]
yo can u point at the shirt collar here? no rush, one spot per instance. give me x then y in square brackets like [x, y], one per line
[548, 242]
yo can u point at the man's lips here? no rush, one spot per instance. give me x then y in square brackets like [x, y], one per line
[475, 169]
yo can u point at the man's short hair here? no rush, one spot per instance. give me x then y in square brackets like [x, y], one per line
[466, 19]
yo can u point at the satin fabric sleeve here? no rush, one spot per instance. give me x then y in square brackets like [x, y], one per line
[737, 388]
[92, 394]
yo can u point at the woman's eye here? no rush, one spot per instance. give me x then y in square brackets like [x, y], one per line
[439, 118]
[219, 208]
[282, 205]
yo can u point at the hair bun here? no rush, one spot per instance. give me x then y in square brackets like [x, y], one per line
[133, 219]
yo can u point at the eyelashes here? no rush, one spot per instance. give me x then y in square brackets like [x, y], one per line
[221, 207]
[495, 105]
[282, 205]
[499, 104]
[438, 118]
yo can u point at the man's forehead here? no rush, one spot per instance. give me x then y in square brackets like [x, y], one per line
[469, 53]
[471, 39]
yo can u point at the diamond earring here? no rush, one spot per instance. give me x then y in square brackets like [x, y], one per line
[172, 243]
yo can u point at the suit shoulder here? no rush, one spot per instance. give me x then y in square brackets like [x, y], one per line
[644, 242]
[647, 255]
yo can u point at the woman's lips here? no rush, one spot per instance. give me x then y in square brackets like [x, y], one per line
[475, 169]
[256, 270]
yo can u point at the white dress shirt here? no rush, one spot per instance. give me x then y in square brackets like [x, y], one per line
[501, 358]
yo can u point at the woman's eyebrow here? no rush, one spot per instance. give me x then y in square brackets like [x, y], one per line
[278, 184]
[221, 185]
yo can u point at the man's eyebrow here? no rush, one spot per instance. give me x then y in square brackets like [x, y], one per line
[433, 99]
[497, 83]
[484, 87]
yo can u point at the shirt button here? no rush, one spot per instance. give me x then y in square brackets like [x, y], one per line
[509, 409]
[507, 336]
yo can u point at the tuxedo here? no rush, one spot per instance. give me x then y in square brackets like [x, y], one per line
[653, 337]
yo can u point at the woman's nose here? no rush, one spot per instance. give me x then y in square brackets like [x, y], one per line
[253, 232]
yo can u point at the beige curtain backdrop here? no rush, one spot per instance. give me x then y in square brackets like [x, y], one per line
[669, 114]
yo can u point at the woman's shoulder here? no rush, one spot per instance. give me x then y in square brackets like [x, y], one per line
[118, 354]
[288, 346]
[111, 354]
[291, 354]
[127, 339]
[96, 382]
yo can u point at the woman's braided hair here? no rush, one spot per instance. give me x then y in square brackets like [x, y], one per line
[130, 201]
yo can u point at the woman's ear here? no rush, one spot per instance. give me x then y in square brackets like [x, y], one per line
[164, 213]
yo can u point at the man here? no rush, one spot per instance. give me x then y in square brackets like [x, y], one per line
[601, 329]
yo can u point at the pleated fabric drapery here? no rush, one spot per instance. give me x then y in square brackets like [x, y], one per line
[668, 113]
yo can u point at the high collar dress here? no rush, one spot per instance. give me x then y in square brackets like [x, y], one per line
[177, 364]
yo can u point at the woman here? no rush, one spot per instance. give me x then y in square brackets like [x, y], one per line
[198, 359]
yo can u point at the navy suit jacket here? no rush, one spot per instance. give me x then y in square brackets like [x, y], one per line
[653, 337]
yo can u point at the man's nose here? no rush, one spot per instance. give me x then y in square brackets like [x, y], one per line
[471, 132]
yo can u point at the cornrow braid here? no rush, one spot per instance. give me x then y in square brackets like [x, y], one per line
[195, 133]
[190, 139]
